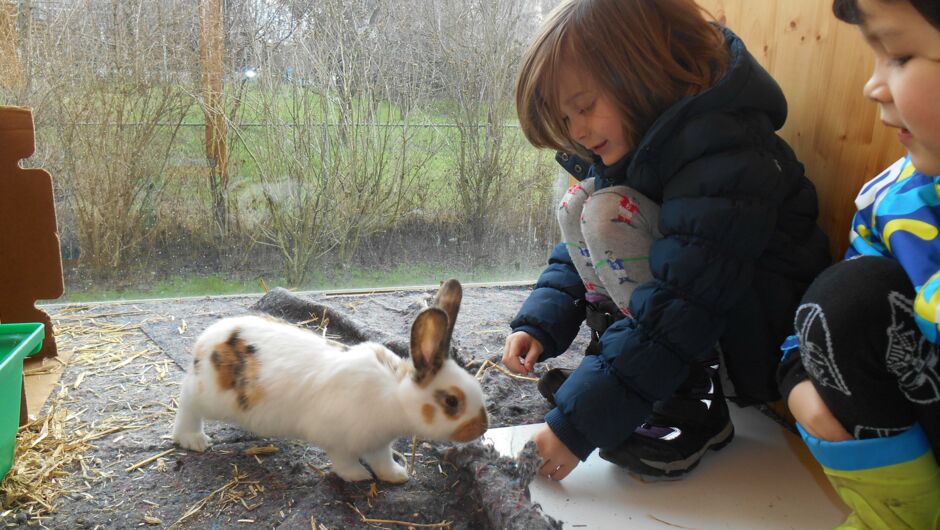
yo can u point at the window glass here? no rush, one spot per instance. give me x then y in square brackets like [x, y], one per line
[213, 147]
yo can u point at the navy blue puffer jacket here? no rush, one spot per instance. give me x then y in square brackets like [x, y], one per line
[740, 245]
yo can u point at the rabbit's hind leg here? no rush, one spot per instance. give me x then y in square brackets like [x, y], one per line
[187, 429]
[348, 467]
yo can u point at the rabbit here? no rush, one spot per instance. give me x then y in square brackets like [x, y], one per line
[276, 379]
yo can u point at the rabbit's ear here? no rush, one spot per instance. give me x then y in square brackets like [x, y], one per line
[448, 298]
[429, 343]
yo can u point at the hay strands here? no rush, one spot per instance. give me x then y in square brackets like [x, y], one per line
[265, 450]
[196, 508]
[45, 448]
[366, 520]
[146, 461]
[487, 364]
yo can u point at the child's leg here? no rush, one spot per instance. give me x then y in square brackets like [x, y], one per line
[619, 225]
[877, 374]
[860, 346]
[569, 220]
[890, 482]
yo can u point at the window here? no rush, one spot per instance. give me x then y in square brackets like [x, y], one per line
[211, 147]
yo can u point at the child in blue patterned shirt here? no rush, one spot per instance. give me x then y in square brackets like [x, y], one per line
[865, 383]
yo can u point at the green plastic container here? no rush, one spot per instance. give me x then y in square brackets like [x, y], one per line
[16, 342]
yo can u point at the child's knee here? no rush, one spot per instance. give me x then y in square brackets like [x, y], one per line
[620, 207]
[859, 283]
[572, 203]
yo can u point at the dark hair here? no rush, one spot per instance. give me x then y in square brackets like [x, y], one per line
[848, 11]
[644, 55]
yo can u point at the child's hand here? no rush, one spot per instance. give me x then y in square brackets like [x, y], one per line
[521, 352]
[808, 408]
[558, 459]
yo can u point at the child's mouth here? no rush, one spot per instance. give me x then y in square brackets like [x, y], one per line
[599, 146]
[904, 135]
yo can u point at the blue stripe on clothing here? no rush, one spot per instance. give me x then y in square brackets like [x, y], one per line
[853, 455]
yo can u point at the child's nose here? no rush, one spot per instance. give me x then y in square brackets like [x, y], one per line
[876, 89]
[578, 129]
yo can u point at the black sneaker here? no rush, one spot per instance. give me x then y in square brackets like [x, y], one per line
[551, 381]
[680, 430]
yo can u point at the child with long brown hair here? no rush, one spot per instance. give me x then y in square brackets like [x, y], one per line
[687, 242]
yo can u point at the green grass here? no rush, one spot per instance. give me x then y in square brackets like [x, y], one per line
[351, 278]
[175, 287]
[187, 187]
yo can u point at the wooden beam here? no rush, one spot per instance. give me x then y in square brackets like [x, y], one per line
[212, 51]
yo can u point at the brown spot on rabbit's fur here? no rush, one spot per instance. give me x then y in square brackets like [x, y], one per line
[472, 428]
[456, 405]
[237, 368]
[427, 411]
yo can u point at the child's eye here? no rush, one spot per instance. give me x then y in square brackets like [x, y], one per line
[900, 60]
[587, 108]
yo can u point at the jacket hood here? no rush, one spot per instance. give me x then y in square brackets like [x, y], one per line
[745, 86]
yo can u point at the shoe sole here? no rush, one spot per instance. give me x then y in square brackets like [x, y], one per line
[652, 471]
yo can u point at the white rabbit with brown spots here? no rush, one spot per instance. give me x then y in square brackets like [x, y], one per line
[275, 379]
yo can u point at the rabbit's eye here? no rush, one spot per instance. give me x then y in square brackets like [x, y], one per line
[451, 401]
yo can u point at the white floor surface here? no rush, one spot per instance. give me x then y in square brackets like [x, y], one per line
[764, 479]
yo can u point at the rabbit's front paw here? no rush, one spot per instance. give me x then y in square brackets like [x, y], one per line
[194, 441]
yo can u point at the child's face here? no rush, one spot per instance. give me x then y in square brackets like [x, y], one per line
[906, 79]
[591, 117]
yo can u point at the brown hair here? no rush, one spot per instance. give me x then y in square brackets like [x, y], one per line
[848, 11]
[643, 55]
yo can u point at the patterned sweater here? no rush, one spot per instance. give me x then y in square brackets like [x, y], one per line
[898, 215]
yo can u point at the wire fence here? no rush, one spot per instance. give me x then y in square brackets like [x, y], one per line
[289, 125]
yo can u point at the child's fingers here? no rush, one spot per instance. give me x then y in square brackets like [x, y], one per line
[512, 362]
[511, 356]
[555, 469]
[547, 468]
[514, 365]
[530, 357]
[561, 472]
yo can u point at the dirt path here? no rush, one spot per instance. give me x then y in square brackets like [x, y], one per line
[115, 410]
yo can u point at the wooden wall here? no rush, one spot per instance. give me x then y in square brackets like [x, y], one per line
[821, 63]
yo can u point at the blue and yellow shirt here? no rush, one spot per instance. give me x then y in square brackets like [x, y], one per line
[898, 215]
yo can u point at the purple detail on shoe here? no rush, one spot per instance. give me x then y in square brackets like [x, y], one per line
[595, 297]
[658, 432]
